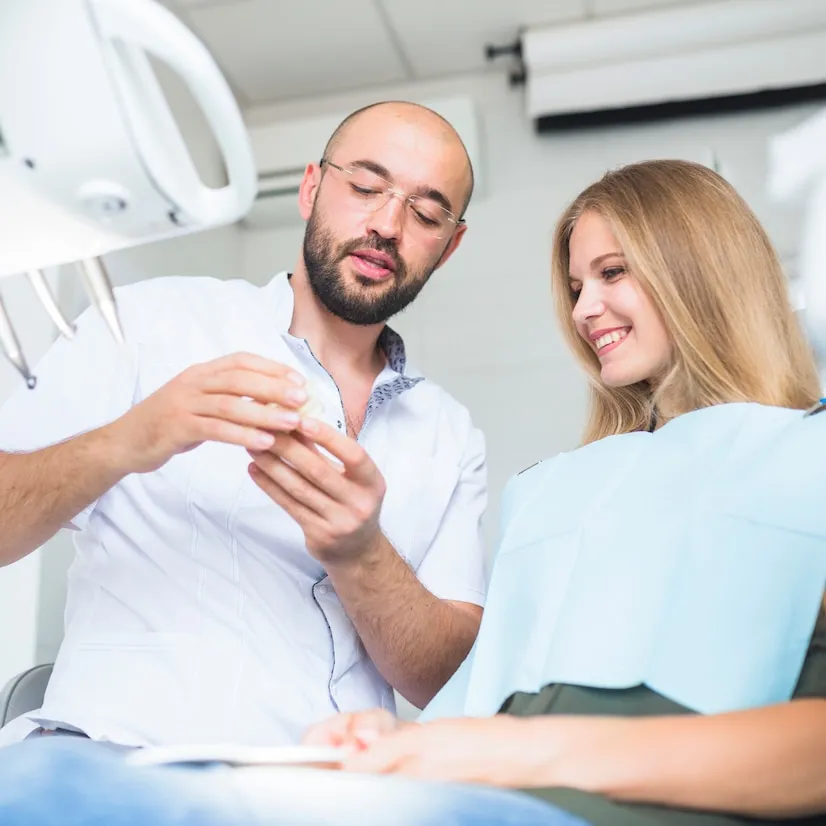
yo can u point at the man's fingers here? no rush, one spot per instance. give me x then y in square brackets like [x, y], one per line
[302, 514]
[252, 362]
[318, 470]
[220, 430]
[248, 384]
[245, 412]
[292, 482]
[357, 462]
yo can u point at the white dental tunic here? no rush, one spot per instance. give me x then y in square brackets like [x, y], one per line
[194, 611]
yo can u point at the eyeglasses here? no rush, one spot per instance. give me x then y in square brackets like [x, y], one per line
[368, 191]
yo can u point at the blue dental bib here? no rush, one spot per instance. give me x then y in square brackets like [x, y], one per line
[691, 560]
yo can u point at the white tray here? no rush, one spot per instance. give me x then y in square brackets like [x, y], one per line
[238, 755]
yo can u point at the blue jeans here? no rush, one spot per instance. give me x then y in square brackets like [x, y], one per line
[63, 781]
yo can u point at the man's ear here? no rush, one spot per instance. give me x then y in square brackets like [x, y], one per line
[454, 242]
[308, 189]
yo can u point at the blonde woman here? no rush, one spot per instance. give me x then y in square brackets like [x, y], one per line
[653, 649]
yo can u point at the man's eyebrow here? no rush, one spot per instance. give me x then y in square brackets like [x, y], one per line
[422, 191]
[372, 166]
[434, 195]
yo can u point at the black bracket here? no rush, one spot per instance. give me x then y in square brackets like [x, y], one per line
[518, 75]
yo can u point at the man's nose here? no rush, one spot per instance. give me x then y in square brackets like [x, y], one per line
[388, 219]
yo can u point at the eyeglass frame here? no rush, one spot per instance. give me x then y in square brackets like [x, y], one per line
[392, 190]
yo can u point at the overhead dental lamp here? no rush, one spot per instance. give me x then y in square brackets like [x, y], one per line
[91, 158]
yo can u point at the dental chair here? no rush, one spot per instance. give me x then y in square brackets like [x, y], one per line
[24, 692]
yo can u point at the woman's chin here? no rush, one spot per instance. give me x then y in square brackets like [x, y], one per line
[614, 375]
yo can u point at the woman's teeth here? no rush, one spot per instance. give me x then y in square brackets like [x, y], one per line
[610, 338]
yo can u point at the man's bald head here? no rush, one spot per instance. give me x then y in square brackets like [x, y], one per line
[412, 113]
[367, 255]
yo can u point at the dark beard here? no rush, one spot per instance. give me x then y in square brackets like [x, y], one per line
[375, 303]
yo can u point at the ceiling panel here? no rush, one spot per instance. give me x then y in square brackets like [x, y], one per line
[607, 7]
[440, 37]
[273, 49]
[191, 4]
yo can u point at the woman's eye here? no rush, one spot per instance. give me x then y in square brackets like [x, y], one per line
[612, 273]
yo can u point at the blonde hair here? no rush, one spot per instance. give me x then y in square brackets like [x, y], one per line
[701, 255]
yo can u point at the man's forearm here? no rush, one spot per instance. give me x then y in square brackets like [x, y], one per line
[42, 490]
[766, 762]
[416, 640]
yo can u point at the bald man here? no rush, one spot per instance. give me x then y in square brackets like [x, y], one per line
[276, 517]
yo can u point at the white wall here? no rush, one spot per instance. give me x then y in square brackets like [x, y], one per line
[483, 327]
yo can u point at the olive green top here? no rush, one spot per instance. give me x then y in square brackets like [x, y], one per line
[642, 702]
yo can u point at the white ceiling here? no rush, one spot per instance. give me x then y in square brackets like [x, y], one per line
[271, 50]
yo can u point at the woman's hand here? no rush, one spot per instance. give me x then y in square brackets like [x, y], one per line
[356, 731]
[764, 762]
[498, 751]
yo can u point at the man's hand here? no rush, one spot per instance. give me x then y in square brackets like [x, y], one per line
[356, 731]
[239, 399]
[330, 486]
[336, 504]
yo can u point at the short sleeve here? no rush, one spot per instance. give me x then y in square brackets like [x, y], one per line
[455, 567]
[82, 384]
